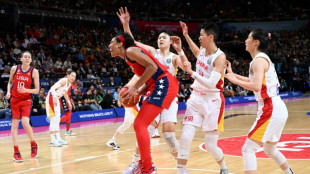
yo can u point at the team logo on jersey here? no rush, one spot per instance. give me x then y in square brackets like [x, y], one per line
[168, 60]
[293, 146]
[28, 74]
[209, 61]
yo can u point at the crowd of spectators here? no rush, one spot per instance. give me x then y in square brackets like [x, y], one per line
[55, 48]
[178, 9]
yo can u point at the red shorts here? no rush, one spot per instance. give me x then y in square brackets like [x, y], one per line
[20, 108]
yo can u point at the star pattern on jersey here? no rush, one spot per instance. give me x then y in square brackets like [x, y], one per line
[161, 81]
[161, 86]
[159, 92]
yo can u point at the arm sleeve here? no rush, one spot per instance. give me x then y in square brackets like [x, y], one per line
[210, 82]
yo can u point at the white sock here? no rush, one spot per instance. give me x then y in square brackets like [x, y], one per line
[58, 136]
[135, 158]
[223, 165]
[53, 137]
[181, 168]
[113, 139]
[288, 171]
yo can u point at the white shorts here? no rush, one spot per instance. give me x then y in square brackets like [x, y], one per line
[51, 110]
[205, 110]
[271, 118]
[169, 115]
[131, 113]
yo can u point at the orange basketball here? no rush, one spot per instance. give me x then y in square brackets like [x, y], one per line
[130, 102]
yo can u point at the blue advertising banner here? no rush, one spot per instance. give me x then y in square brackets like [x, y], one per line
[120, 112]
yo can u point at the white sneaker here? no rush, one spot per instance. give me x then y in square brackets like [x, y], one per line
[113, 145]
[131, 168]
[155, 134]
[63, 142]
[69, 133]
[55, 144]
[224, 171]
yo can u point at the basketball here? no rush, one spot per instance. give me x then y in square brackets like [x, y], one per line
[130, 102]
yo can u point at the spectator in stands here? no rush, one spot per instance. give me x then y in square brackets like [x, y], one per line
[16, 51]
[111, 82]
[49, 62]
[79, 84]
[58, 64]
[98, 99]
[83, 70]
[181, 94]
[78, 101]
[5, 74]
[52, 75]
[89, 100]
[67, 64]
[33, 40]
[101, 91]
[81, 57]
[108, 99]
[229, 92]
[79, 75]
[39, 106]
[4, 107]
[240, 91]
[41, 55]
[75, 66]
[116, 93]
[90, 74]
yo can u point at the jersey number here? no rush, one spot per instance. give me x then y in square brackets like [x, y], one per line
[20, 84]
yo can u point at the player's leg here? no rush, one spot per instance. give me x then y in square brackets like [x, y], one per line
[14, 129]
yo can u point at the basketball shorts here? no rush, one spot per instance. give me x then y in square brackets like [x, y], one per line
[20, 108]
[169, 115]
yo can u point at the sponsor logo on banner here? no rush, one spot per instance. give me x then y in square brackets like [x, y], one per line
[293, 146]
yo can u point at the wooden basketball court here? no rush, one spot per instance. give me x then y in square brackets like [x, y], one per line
[87, 152]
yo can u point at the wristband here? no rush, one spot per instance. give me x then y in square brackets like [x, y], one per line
[181, 53]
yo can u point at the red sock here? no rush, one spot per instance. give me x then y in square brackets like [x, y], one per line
[16, 149]
[33, 143]
[67, 129]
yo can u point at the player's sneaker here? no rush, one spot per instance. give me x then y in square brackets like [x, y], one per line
[34, 151]
[224, 171]
[155, 134]
[55, 144]
[113, 145]
[138, 169]
[152, 170]
[17, 157]
[131, 168]
[69, 133]
[63, 142]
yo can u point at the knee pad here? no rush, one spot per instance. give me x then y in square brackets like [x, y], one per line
[211, 145]
[185, 141]
[171, 141]
[273, 152]
[249, 158]
[126, 125]
[54, 123]
[151, 129]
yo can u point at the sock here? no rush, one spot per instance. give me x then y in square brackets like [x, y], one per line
[135, 158]
[181, 168]
[288, 171]
[53, 138]
[113, 139]
[58, 136]
[67, 129]
[16, 149]
[223, 165]
[33, 143]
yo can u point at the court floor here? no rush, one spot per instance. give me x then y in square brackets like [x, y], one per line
[87, 151]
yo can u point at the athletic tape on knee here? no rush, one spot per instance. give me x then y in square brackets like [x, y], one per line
[171, 141]
[248, 151]
[151, 129]
[273, 152]
[211, 145]
[185, 141]
[126, 125]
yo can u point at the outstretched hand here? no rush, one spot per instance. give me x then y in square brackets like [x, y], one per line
[123, 15]
[228, 67]
[184, 28]
[188, 67]
[176, 43]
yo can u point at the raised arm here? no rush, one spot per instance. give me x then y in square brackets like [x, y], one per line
[194, 48]
[181, 58]
[240, 77]
[124, 17]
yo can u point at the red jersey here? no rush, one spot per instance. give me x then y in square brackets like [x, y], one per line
[139, 70]
[22, 79]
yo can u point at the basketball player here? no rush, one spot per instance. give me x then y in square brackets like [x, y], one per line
[162, 89]
[58, 90]
[171, 61]
[130, 115]
[272, 112]
[21, 78]
[205, 107]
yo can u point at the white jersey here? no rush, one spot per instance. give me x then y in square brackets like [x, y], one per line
[270, 85]
[167, 62]
[61, 90]
[204, 67]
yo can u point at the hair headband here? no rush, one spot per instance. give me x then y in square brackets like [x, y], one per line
[121, 38]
